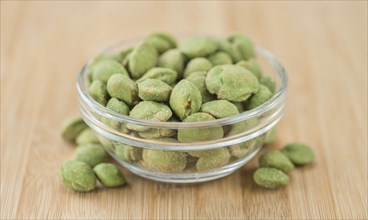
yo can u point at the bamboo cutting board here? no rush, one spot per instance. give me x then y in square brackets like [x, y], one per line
[323, 46]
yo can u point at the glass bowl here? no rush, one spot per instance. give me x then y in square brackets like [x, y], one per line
[167, 159]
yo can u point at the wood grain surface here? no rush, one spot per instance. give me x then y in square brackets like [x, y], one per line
[323, 46]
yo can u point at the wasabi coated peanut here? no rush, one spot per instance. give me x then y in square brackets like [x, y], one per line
[128, 153]
[155, 133]
[199, 134]
[143, 57]
[231, 82]
[117, 106]
[92, 154]
[199, 80]
[185, 99]
[220, 108]
[252, 66]
[277, 160]
[270, 178]
[122, 88]
[243, 44]
[269, 82]
[198, 46]
[109, 175]
[217, 158]
[271, 136]
[149, 110]
[299, 154]
[242, 149]
[87, 136]
[242, 126]
[78, 176]
[164, 161]
[154, 90]
[166, 75]
[230, 49]
[103, 70]
[196, 65]
[97, 90]
[262, 96]
[120, 56]
[72, 127]
[239, 106]
[173, 59]
[220, 58]
[161, 41]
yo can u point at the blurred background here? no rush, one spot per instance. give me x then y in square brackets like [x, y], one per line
[322, 44]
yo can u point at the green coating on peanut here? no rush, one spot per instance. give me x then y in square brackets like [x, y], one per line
[270, 178]
[231, 50]
[185, 99]
[220, 108]
[243, 44]
[87, 136]
[155, 133]
[128, 153]
[200, 134]
[269, 82]
[173, 59]
[109, 175]
[117, 106]
[78, 176]
[103, 70]
[166, 75]
[149, 110]
[242, 149]
[231, 82]
[262, 96]
[161, 41]
[220, 58]
[199, 80]
[122, 88]
[242, 126]
[299, 154]
[72, 127]
[239, 106]
[143, 57]
[217, 158]
[252, 66]
[154, 90]
[196, 65]
[164, 161]
[121, 55]
[92, 154]
[277, 160]
[198, 46]
[97, 90]
[271, 136]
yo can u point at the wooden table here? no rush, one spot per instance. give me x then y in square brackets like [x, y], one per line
[322, 45]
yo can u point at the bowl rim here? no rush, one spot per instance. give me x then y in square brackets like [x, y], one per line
[102, 110]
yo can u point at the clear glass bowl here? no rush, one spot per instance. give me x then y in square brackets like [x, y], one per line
[169, 160]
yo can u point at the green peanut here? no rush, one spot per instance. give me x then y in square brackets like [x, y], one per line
[220, 108]
[220, 58]
[185, 99]
[72, 127]
[252, 66]
[164, 161]
[199, 80]
[269, 82]
[173, 59]
[87, 136]
[231, 50]
[271, 136]
[155, 133]
[154, 90]
[166, 75]
[198, 46]
[92, 154]
[97, 90]
[143, 57]
[243, 44]
[199, 134]
[122, 88]
[270, 178]
[78, 176]
[128, 153]
[231, 82]
[117, 106]
[242, 149]
[161, 41]
[217, 158]
[299, 154]
[262, 96]
[103, 70]
[198, 64]
[109, 175]
[277, 160]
